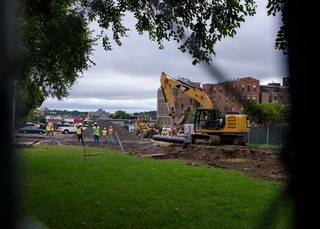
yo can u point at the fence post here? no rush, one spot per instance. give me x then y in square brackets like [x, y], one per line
[280, 134]
[268, 132]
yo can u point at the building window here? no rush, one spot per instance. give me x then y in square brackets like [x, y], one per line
[233, 87]
[214, 90]
[232, 108]
[226, 99]
[249, 88]
[210, 91]
[243, 85]
[253, 97]
[220, 89]
[248, 97]
[242, 98]
[226, 88]
[181, 106]
[254, 88]
[214, 99]
[233, 98]
[219, 99]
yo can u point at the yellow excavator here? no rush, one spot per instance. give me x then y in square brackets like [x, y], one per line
[210, 127]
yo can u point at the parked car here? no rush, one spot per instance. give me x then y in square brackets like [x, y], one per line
[69, 129]
[31, 129]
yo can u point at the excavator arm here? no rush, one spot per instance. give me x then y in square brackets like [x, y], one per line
[167, 81]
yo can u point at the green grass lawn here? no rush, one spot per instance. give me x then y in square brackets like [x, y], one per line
[114, 190]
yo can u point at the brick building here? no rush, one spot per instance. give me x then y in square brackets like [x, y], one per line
[181, 101]
[273, 92]
[231, 94]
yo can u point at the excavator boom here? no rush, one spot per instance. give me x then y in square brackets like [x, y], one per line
[167, 81]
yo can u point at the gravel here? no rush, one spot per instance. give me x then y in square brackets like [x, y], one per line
[123, 133]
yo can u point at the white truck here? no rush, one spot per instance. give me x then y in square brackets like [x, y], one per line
[69, 129]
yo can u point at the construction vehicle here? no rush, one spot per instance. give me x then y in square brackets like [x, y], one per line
[210, 127]
[144, 128]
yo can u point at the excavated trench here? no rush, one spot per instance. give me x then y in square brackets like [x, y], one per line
[254, 161]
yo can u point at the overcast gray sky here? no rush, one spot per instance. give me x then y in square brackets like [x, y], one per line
[127, 78]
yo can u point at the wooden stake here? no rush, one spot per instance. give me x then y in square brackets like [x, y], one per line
[84, 147]
[119, 142]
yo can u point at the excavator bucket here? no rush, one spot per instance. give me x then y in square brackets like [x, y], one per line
[182, 117]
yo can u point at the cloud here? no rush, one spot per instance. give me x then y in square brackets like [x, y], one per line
[114, 85]
[93, 104]
[128, 77]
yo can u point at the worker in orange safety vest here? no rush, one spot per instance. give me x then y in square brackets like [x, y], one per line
[110, 133]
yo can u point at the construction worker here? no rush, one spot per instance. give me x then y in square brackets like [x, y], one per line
[48, 130]
[96, 134]
[110, 133]
[163, 132]
[51, 130]
[104, 134]
[79, 133]
[187, 140]
[174, 131]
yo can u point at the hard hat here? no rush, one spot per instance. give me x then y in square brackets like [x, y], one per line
[188, 132]
[110, 126]
[80, 124]
[105, 128]
[95, 123]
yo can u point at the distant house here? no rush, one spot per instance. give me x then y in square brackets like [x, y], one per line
[100, 115]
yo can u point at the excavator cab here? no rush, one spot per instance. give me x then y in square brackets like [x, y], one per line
[207, 119]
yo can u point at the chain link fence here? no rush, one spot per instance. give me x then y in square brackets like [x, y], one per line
[273, 134]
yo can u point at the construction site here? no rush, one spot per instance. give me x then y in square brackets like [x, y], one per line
[254, 161]
[215, 140]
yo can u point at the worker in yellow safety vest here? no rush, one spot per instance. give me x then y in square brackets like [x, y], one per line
[51, 130]
[96, 134]
[104, 134]
[110, 133]
[79, 133]
[48, 130]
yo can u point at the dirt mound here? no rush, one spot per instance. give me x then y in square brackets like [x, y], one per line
[254, 161]
[123, 133]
